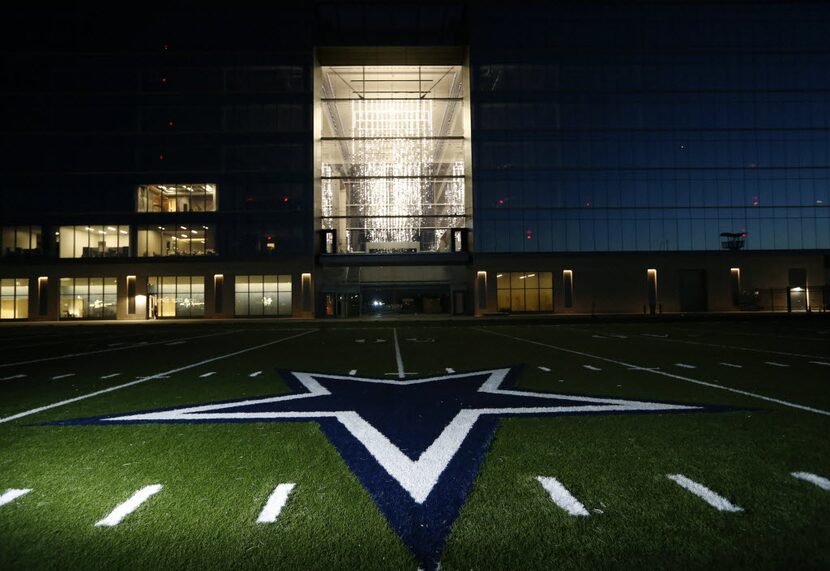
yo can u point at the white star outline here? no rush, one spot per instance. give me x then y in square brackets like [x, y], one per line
[417, 477]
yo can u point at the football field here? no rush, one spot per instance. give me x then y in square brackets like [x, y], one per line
[473, 444]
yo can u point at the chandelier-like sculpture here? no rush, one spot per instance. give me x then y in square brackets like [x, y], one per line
[392, 176]
[393, 158]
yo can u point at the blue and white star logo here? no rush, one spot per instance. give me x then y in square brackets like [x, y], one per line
[415, 445]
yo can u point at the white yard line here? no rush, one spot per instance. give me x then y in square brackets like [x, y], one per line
[12, 494]
[111, 349]
[13, 377]
[734, 347]
[545, 369]
[733, 365]
[150, 378]
[176, 343]
[716, 501]
[275, 503]
[398, 358]
[211, 373]
[561, 496]
[110, 375]
[822, 483]
[255, 374]
[64, 376]
[662, 373]
[591, 368]
[123, 510]
[774, 364]
[825, 363]
[684, 366]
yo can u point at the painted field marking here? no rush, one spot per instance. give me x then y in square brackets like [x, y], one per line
[276, 501]
[12, 494]
[64, 376]
[716, 501]
[659, 372]
[643, 368]
[175, 343]
[398, 358]
[591, 368]
[658, 335]
[72, 355]
[824, 363]
[110, 375]
[545, 369]
[360, 341]
[449, 370]
[562, 497]
[124, 509]
[426, 340]
[733, 365]
[822, 483]
[211, 373]
[684, 366]
[735, 347]
[619, 336]
[353, 372]
[380, 340]
[255, 374]
[11, 378]
[599, 336]
[774, 364]
[149, 378]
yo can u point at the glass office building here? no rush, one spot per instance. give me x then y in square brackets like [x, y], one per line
[399, 157]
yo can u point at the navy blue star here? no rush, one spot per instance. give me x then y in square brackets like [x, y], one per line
[415, 445]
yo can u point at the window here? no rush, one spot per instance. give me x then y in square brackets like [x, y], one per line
[263, 295]
[21, 241]
[176, 296]
[176, 198]
[176, 240]
[393, 168]
[525, 291]
[89, 298]
[94, 241]
[14, 298]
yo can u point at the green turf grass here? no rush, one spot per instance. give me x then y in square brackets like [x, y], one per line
[216, 477]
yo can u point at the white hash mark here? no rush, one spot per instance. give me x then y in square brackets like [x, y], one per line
[123, 510]
[275, 503]
[716, 501]
[561, 496]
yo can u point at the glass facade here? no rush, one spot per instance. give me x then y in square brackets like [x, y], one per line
[94, 241]
[176, 296]
[176, 198]
[88, 298]
[263, 295]
[176, 240]
[14, 298]
[524, 291]
[393, 167]
[583, 142]
[21, 241]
